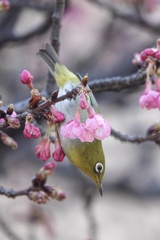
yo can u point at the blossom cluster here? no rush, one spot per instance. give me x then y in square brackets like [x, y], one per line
[43, 195]
[150, 98]
[95, 126]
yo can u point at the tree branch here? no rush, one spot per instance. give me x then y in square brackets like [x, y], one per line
[135, 139]
[118, 83]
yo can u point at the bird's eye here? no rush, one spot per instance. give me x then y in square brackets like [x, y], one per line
[99, 167]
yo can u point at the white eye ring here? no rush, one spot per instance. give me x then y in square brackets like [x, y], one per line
[99, 167]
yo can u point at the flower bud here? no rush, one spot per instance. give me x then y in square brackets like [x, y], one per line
[39, 196]
[35, 98]
[27, 78]
[43, 149]
[8, 141]
[57, 115]
[57, 193]
[31, 131]
[13, 122]
[83, 101]
[45, 171]
[10, 109]
[58, 153]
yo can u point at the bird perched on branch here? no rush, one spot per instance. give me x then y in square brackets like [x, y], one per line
[83, 128]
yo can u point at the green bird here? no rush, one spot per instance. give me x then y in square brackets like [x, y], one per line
[87, 156]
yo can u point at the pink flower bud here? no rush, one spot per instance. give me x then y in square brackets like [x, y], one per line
[157, 54]
[83, 101]
[150, 98]
[57, 193]
[58, 153]
[13, 122]
[39, 196]
[43, 149]
[46, 171]
[8, 141]
[148, 52]
[57, 115]
[10, 110]
[27, 78]
[30, 131]
[73, 129]
[96, 123]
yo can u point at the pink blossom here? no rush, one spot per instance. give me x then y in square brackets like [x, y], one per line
[13, 122]
[26, 78]
[57, 115]
[150, 98]
[30, 131]
[58, 153]
[157, 54]
[83, 101]
[87, 135]
[43, 149]
[148, 52]
[73, 129]
[100, 126]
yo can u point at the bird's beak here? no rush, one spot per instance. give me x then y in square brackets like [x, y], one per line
[100, 189]
[99, 185]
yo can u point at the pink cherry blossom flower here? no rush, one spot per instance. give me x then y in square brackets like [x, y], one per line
[27, 78]
[72, 129]
[57, 115]
[13, 122]
[150, 98]
[43, 149]
[87, 135]
[58, 153]
[83, 101]
[31, 131]
[148, 52]
[100, 126]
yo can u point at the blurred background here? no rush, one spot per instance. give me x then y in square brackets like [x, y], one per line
[99, 38]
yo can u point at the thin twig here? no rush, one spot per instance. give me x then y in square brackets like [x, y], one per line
[56, 24]
[135, 139]
[55, 42]
[10, 193]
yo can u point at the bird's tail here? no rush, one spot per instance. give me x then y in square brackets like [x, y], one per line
[49, 57]
[61, 74]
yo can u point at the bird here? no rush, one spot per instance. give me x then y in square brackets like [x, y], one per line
[86, 156]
